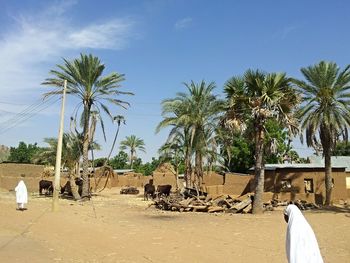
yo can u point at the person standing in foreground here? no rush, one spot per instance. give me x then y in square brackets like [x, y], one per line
[21, 195]
[301, 243]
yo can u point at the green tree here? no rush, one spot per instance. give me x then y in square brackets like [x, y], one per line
[237, 152]
[325, 114]
[71, 153]
[147, 168]
[85, 81]
[23, 153]
[100, 162]
[120, 161]
[173, 151]
[342, 148]
[258, 97]
[195, 114]
[133, 144]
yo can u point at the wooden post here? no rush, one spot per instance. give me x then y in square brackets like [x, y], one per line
[57, 184]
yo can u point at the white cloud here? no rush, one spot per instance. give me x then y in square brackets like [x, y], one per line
[183, 23]
[110, 35]
[34, 43]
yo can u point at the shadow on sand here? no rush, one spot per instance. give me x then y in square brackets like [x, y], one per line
[333, 209]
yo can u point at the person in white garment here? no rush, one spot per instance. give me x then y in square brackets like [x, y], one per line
[301, 242]
[21, 195]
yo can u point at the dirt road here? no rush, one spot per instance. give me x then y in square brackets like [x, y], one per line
[120, 228]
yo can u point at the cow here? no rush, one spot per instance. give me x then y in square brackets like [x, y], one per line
[149, 190]
[45, 185]
[67, 187]
[163, 190]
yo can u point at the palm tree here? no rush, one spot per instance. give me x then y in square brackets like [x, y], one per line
[85, 81]
[174, 113]
[258, 97]
[196, 114]
[106, 168]
[71, 153]
[134, 144]
[173, 150]
[119, 119]
[325, 114]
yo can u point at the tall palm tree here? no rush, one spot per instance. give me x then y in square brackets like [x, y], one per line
[119, 119]
[85, 81]
[258, 97]
[326, 113]
[134, 144]
[196, 113]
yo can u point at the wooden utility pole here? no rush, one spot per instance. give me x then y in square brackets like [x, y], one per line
[57, 184]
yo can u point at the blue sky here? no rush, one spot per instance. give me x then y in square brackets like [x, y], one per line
[158, 45]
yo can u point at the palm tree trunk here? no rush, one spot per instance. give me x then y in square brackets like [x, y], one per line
[199, 168]
[112, 148]
[187, 168]
[259, 171]
[328, 175]
[131, 158]
[176, 171]
[73, 186]
[85, 176]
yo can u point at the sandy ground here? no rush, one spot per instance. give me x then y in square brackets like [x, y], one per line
[120, 228]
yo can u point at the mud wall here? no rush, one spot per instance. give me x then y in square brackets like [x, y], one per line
[296, 177]
[237, 184]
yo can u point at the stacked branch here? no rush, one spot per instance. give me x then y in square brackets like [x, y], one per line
[301, 204]
[226, 203]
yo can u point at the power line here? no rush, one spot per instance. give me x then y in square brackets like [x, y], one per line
[11, 103]
[28, 116]
[29, 109]
[27, 113]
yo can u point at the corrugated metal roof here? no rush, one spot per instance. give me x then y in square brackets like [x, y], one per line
[123, 170]
[336, 161]
[272, 167]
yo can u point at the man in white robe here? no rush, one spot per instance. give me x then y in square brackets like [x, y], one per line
[21, 195]
[301, 243]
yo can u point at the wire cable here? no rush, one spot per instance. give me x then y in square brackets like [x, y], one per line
[28, 116]
[28, 113]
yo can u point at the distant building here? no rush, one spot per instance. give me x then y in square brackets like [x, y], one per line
[306, 181]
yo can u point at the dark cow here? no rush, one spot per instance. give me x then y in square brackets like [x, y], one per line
[149, 190]
[68, 189]
[45, 185]
[163, 190]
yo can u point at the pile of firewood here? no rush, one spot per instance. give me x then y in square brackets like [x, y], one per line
[129, 190]
[301, 204]
[227, 204]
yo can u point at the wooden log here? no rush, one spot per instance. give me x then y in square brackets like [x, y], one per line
[239, 206]
[198, 207]
[224, 203]
[248, 209]
[187, 201]
[244, 197]
[219, 197]
[208, 199]
[214, 209]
